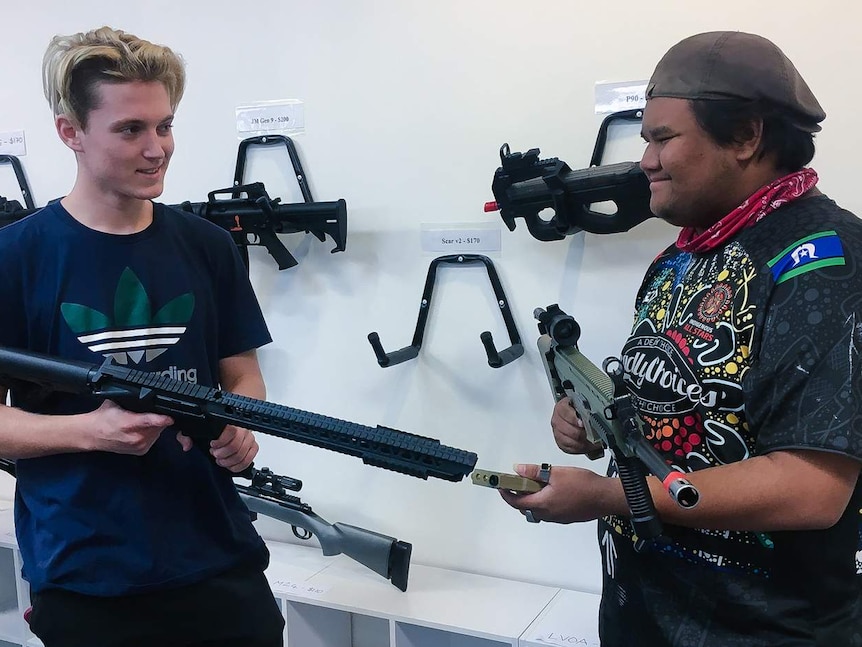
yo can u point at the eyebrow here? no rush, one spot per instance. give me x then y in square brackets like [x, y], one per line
[658, 131]
[137, 122]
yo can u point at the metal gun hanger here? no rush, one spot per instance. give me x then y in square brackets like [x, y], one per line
[496, 358]
[272, 140]
[22, 179]
[636, 114]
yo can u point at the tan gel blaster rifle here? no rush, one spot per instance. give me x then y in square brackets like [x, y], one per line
[605, 406]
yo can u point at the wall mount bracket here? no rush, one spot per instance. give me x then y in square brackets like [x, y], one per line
[496, 358]
[22, 182]
[272, 140]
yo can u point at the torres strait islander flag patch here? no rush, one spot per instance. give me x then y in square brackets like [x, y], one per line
[810, 253]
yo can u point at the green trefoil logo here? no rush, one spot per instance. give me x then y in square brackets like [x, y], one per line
[131, 332]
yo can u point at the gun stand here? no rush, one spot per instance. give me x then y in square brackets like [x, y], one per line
[22, 184]
[496, 358]
[636, 114]
[271, 140]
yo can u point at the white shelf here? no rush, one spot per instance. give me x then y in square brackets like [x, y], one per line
[11, 625]
[336, 602]
[474, 605]
[570, 620]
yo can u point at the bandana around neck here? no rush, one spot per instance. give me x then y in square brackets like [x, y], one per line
[764, 201]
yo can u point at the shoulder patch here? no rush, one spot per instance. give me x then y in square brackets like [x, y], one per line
[806, 254]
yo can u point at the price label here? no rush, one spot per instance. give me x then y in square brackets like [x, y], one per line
[625, 95]
[450, 240]
[12, 143]
[565, 639]
[297, 588]
[285, 116]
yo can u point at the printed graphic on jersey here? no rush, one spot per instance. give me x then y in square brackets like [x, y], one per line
[810, 253]
[684, 365]
[714, 304]
[688, 355]
[131, 332]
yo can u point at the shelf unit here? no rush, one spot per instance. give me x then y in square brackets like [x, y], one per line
[335, 602]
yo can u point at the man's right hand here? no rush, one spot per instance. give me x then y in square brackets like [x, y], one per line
[113, 429]
[569, 432]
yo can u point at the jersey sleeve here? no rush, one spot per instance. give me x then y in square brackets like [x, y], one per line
[804, 389]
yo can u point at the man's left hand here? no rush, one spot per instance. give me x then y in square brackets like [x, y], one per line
[572, 495]
[234, 449]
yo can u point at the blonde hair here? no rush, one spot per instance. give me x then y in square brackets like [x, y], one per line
[74, 65]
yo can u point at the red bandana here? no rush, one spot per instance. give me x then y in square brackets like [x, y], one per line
[764, 201]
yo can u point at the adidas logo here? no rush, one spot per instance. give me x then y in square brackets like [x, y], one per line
[134, 345]
[132, 333]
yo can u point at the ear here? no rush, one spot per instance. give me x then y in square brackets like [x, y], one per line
[750, 140]
[69, 132]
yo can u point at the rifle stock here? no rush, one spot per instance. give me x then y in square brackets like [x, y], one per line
[384, 555]
[202, 413]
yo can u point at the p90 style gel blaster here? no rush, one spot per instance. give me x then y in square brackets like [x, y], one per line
[604, 405]
[202, 413]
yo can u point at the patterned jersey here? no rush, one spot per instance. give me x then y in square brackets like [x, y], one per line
[736, 352]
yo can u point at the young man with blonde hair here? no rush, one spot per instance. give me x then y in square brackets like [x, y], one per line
[129, 536]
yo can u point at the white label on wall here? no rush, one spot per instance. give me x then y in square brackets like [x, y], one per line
[624, 95]
[12, 143]
[460, 238]
[283, 116]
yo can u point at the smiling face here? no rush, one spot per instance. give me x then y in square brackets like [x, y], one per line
[124, 150]
[694, 182]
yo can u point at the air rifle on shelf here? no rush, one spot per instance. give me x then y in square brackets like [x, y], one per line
[202, 412]
[386, 556]
[604, 404]
[267, 495]
[525, 185]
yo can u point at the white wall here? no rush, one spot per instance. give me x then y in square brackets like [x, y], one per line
[406, 106]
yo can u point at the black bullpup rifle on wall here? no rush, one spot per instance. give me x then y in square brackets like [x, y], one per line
[605, 406]
[202, 412]
[267, 495]
[525, 185]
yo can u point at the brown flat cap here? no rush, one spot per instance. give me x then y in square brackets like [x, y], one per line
[734, 65]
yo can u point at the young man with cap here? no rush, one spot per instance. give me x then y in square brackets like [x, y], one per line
[128, 535]
[745, 365]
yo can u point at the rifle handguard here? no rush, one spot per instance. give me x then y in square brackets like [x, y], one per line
[202, 412]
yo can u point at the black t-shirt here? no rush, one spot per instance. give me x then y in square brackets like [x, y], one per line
[173, 299]
[746, 349]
